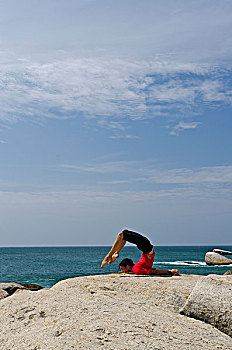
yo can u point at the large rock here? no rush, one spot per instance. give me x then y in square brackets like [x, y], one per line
[7, 289]
[212, 258]
[107, 312]
[229, 272]
[211, 302]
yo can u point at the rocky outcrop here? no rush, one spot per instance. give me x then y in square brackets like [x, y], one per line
[7, 289]
[212, 258]
[107, 312]
[211, 302]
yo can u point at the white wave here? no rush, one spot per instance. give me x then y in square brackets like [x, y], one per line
[188, 263]
[230, 265]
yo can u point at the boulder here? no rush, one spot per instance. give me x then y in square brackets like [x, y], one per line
[7, 289]
[211, 302]
[229, 272]
[212, 258]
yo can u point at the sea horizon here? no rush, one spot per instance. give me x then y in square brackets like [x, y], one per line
[47, 265]
[101, 245]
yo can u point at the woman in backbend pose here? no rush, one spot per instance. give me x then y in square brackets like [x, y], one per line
[144, 265]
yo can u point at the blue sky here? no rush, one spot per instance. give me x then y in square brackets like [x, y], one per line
[115, 115]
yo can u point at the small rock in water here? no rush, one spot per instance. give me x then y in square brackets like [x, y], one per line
[212, 258]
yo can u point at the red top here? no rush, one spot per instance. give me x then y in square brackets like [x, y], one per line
[144, 265]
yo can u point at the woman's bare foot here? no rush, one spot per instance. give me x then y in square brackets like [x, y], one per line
[109, 259]
[106, 260]
[113, 258]
[175, 272]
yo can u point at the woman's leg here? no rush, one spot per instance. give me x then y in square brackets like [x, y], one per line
[142, 242]
[173, 272]
[113, 253]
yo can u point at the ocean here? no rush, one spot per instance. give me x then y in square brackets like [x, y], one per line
[48, 265]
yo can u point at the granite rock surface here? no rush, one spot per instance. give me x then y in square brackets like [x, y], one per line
[211, 302]
[107, 312]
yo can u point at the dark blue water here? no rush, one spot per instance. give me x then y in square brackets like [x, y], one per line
[47, 265]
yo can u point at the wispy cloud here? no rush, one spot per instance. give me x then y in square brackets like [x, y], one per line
[181, 126]
[124, 136]
[204, 175]
[102, 168]
[109, 91]
[125, 181]
[148, 172]
[78, 198]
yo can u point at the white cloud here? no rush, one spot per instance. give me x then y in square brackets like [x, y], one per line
[123, 183]
[124, 136]
[102, 168]
[194, 30]
[112, 91]
[181, 126]
[148, 172]
[204, 175]
[78, 198]
[126, 180]
[111, 79]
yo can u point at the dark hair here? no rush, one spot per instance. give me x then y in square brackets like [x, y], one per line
[126, 262]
